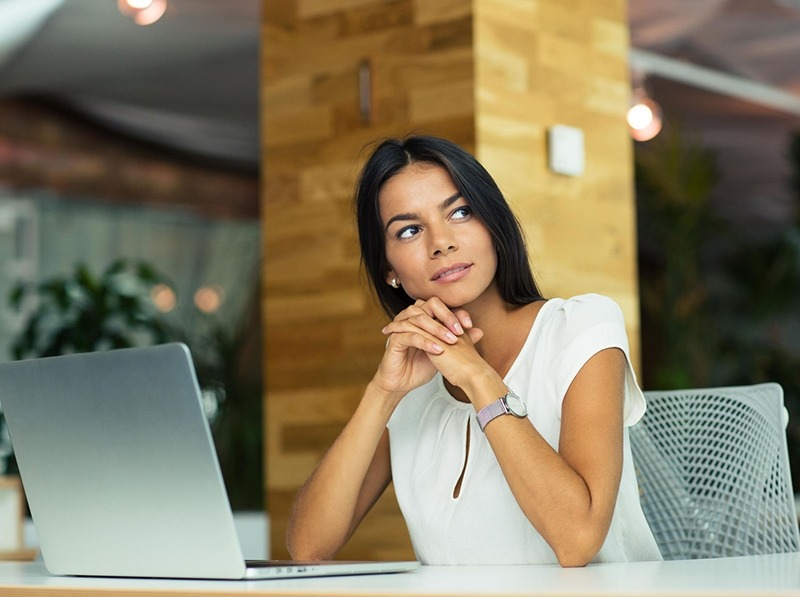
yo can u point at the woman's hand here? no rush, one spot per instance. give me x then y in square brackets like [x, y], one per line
[416, 334]
[462, 366]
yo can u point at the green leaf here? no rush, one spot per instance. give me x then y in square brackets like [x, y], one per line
[16, 295]
[81, 312]
[117, 267]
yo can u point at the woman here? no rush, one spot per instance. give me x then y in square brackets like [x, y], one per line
[499, 416]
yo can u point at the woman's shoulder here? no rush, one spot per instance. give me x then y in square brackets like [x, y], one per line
[589, 321]
[585, 310]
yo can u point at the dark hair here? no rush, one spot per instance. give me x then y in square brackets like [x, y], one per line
[514, 277]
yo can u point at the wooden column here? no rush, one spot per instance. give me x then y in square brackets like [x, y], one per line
[546, 62]
[490, 75]
[322, 332]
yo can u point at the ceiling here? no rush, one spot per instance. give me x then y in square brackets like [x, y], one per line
[190, 80]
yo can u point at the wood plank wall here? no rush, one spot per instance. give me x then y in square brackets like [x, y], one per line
[488, 74]
[545, 62]
[322, 329]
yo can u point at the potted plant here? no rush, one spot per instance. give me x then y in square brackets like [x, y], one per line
[83, 312]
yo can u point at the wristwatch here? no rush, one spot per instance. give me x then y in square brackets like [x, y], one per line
[510, 404]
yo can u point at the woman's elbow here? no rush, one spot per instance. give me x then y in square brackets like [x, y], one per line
[573, 559]
[296, 552]
[304, 550]
[299, 544]
[306, 555]
[579, 549]
[310, 541]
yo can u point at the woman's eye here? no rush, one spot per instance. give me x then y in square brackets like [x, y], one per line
[461, 213]
[408, 232]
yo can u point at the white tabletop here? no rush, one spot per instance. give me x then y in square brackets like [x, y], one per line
[753, 575]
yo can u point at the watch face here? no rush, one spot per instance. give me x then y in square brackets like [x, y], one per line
[516, 405]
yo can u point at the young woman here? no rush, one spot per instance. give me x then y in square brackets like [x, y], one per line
[499, 416]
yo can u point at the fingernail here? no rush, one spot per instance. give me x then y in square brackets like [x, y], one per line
[459, 329]
[468, 320]
[437, 348]
[450, 336]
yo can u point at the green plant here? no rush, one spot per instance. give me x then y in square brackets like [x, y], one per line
[674, 178]
[83, 312]
[756, 315]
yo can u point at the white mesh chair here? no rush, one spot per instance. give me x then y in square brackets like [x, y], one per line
[713, 471]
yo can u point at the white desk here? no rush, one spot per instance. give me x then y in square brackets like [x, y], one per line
[752, 576]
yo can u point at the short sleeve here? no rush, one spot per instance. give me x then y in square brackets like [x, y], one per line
[588, 324]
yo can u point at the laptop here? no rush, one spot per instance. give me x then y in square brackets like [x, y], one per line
[121, 474]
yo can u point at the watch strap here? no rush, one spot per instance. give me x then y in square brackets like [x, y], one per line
[491, 411]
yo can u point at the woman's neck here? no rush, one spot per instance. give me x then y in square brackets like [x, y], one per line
[505, 329]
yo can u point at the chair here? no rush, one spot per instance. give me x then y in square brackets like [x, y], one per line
[713, 472]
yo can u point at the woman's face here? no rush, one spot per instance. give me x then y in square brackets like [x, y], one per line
[435, 246]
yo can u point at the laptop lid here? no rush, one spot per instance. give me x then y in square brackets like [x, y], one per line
[119, 466]
[120, 471]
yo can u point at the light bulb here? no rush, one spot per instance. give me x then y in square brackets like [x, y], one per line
[163, 298]
[138, 4]
[644, 118]
[209, 298]
[143, 12]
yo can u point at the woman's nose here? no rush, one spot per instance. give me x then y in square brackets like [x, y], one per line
[442, 242]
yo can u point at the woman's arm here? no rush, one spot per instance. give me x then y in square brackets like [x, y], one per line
[569, 495]
[346, 484]
[356, 469]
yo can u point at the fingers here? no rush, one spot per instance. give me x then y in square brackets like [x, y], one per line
[434, 318]
[475, 335]
[441, 312]
[464, 318]
[405, 337]
[423, 327]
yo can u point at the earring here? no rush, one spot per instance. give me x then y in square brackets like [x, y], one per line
[394, 283]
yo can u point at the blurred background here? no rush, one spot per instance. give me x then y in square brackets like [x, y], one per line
[718, 195]
[129, 186]
[129, 203]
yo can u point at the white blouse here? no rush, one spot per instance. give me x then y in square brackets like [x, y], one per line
[484, 524]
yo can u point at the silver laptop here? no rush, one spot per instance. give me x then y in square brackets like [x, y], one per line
[121, 474]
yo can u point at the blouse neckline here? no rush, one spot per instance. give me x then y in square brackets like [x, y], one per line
[511, 370]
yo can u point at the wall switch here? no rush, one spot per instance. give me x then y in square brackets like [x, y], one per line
[565, 150]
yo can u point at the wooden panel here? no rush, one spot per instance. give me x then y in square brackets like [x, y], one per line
[491, 75]
[426, 12]
[545, 62]
[307, 9]
[322, 333]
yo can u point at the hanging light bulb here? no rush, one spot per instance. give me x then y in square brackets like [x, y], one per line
[143, 12]
[644, 115]
[209, 298]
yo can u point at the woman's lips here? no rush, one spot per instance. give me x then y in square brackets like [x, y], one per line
[451, 273]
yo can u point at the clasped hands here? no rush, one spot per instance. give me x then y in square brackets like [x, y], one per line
[427, 337]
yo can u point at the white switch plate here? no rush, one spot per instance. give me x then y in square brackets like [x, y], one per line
[565, 150]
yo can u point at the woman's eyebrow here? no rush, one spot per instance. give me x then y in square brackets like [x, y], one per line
[413, 216]
[450, 200]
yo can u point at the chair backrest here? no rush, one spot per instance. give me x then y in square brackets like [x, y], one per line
[713, 472]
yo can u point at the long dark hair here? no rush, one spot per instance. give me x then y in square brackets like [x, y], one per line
[514, 278]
